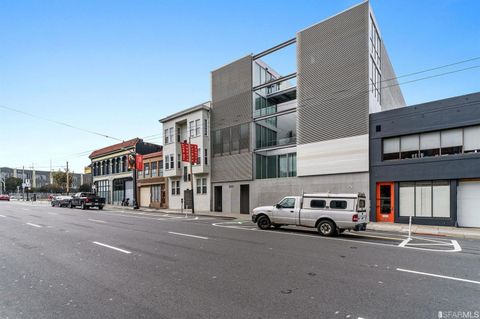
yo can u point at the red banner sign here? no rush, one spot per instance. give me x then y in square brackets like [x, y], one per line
[139, 162]
[186, 154]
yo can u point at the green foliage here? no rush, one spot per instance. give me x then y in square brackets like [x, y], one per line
[11, 184]
[60, 180]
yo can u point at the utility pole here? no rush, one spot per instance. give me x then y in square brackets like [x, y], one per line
[191, 170]
[68, 188]
[23, 182]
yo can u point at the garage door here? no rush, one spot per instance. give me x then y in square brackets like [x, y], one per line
[468, 204]
[145, 196]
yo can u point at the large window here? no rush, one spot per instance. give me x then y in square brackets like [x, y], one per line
[156, 192]
[154, 169]
[197, 128]
[375, 61]
[424, 199]
[231, 140]
[146, 169]
[275, 166]
[103, 189]
[276, 130]
[438, 143]
[201, 185]
[175, 187]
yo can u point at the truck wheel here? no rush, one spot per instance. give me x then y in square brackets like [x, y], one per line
[83, 206]
[326, 228]
[100, 207]
[264, 222]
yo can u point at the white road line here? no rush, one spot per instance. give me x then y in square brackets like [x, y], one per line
[187, 235]
[3, 216]
[34, 225]
[438, 276]
[112, 247]
[403, 243]
[96, 220]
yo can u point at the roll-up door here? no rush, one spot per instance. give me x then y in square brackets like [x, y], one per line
[468, 204]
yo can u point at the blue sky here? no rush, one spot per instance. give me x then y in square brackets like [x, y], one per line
[117, 67]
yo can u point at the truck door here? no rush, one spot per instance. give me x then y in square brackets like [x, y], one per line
[284, 213]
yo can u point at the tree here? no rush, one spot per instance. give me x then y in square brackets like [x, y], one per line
[11, 184]
[60, 180]
[85, 188]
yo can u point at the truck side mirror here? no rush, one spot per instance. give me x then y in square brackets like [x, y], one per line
[278, 206]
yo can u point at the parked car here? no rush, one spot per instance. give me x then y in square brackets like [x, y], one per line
[329, 213]
[4, 197]
[86, 200]
[61, 201]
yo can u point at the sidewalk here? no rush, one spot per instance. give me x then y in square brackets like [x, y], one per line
[467, 233]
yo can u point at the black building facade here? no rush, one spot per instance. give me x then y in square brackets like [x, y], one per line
[425, 163]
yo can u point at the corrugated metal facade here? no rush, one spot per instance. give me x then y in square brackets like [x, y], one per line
[332, 60]
[392, 96]
[232, 105]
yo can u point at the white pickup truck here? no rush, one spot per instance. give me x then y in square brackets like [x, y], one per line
[329, 213]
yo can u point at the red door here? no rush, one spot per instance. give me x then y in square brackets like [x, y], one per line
[385, 202]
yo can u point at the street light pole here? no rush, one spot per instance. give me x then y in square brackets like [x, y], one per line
[191, 170]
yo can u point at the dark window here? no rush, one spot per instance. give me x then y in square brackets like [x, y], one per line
[205, 154]
[317, 203]
[338, 204]
[185, 173]
[451, 150]
[378, 128]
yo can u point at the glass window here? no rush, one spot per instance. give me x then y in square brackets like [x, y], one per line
[287, 203]
[179, 161]
[185, 173]
[226, 141]
[271, 166]
[204, 185]
[191, 128]
[471, 141]
[199, 185]
[277, 130]
[166, 136]
[167, 162]
[179, 134]
[283, 166]
[441, 199]
[235, 138]
[173, 188]
[391, 148]
[292, 164]
[205, 157]
[409, 146]
[172, 161]
[146, 168]
[197, 128]
[430, 144]
[452, 141]
[217, 143]
[205, 127]
[178, 187]
[423, 199]
[154, 169]
[318, 203]
[244, 137]
[338, 204]
[170, 137]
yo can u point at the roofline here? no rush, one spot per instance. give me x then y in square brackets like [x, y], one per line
[334, 15]
[202, 106]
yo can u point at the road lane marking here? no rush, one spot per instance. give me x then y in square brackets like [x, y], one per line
[438, 276]
[403, 243]
[3, 216]
[34, 225]
[112, 247]
[96, 220]
[187, 235]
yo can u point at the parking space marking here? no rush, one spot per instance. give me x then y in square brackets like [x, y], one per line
[371, 236]
[112, 247]
[438, 276]
[34, 225]
[97, 221]
[187, 235]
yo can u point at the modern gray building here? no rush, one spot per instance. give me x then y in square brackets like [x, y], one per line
[302, 130]
[39, 178]
[425, 163]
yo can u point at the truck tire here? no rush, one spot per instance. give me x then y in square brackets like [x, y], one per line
[82, 205]
[326, 228]
[263, 222]
[100, 207]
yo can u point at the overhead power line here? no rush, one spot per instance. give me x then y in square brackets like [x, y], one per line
[58, 122]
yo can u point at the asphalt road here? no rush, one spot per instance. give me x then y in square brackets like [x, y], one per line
[69, 263]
